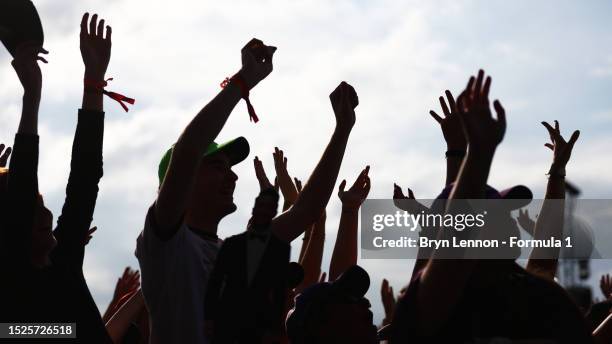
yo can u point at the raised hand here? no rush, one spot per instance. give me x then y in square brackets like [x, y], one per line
[525, 221]
[287, 187]
[256, 62]
[605, 284]
[562, 150]
[95, 48]
[388, 301]
[483, 132]
[450, 124]
[127, 285]
[407, 203]
[260, 173]
[344, 101]
[4, 155]
[353, 197]
[27, 68]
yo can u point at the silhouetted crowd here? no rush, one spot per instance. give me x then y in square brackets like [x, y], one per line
[194, 287]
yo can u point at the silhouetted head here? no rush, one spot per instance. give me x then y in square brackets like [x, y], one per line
[265, 208]
[335, 312]
[500, 224]
[213, 188]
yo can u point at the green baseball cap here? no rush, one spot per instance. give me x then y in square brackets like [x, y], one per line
[236, 150]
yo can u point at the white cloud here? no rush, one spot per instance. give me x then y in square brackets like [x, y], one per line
[604, 69]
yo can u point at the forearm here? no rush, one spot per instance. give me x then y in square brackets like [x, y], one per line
[22, 191]
[119, 323]
[207, 124]
[305, 241]
[316, 193]
[603, 332]
[453, 165]
[313, 255]
[110, 310]
[345, 249]
[544, 261]
[435, 307]
[474, 173]
[82, 189]
[29, 113]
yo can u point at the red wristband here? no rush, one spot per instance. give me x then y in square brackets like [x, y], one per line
[245, 94]
[119, 98]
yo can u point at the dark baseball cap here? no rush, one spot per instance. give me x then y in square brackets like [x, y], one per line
[236, 150]
[19, 23]
[520, 195]
[351, 286]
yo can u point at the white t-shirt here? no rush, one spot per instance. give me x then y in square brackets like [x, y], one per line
[174, 278]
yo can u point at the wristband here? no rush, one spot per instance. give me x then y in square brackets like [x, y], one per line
[92, 86]
[244, 90]
[455, 153]
[560, 173]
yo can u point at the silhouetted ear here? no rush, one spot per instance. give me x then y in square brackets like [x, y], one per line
[19, 23]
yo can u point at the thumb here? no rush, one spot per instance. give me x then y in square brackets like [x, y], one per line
[411, 194]
[341, 187]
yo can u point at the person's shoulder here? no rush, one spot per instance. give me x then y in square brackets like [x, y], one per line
[232, 240]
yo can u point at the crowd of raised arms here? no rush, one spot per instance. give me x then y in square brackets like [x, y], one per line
[194, 287]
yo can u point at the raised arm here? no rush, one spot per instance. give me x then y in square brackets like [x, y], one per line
[603, 332]
[345, 250]
[456, 144]
[544, 261]
[28, 71]
[200, 132]
[388, 300]
[86, 165]
[484, 133]
[22, 184]
[313, 253]
[309, 229]
[316, 193]
[412, 206]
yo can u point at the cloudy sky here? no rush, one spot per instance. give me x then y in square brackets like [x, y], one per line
[548, 59]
